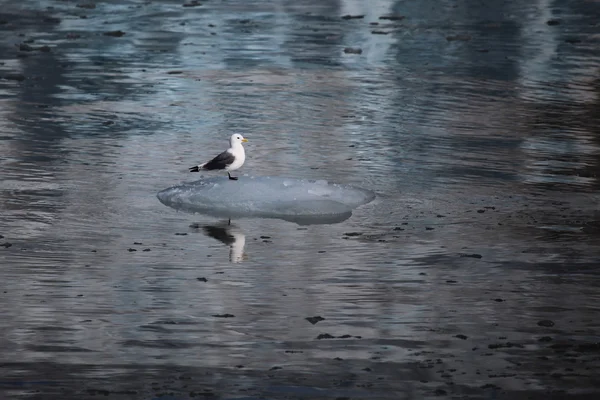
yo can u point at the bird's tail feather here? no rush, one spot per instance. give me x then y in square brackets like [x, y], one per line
[197, 168]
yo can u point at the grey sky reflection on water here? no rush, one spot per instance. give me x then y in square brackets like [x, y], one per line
[475, 123]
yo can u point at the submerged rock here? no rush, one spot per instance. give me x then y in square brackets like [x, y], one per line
[114, 33]
[351, 50]
[314, 320]
[353, 16]
[392, 17]
[546, 323]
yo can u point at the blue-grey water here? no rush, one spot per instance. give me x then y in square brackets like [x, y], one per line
[473, 274]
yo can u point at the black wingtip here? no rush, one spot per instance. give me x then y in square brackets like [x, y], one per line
[195, 169]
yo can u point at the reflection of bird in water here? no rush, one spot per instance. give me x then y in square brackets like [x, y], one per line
[232, 237]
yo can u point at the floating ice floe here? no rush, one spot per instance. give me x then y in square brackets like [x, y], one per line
[297, 200]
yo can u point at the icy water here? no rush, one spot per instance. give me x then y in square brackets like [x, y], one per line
[473, 274]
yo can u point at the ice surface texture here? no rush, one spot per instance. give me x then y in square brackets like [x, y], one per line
[297, 200]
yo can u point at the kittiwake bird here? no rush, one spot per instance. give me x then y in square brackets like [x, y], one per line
[229, 160]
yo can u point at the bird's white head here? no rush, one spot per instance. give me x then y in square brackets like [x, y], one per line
[237, 139]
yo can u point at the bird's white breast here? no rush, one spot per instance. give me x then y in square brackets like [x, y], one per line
[240, 156]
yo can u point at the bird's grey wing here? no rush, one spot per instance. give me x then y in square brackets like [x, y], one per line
[220, 162]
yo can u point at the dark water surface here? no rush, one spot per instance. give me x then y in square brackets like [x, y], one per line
[474, 274]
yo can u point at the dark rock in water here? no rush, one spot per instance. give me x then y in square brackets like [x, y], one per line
[325, 336]
[379, 32]
[114, 33]
[462, 38]
[314, 320]
[553, 22]
[193, 3]
[546, 323]
[131, 249]
[202, 279]
[180, 234]
[174, 72]
[393, 17]
[52, 20]
[6, 245]
[102, 392]
[223, 315]
[489, 386]
[504, 345]
[350, 50]
[353, 16]
[353, 233]
[25, 47]
[463, 337]
[474, 255]
[204, 394]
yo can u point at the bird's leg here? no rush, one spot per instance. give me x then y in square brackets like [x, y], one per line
[233, 178]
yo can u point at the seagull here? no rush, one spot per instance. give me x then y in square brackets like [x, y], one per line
[231, 159]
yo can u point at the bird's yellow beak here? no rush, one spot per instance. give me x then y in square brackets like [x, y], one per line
[244, 140]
